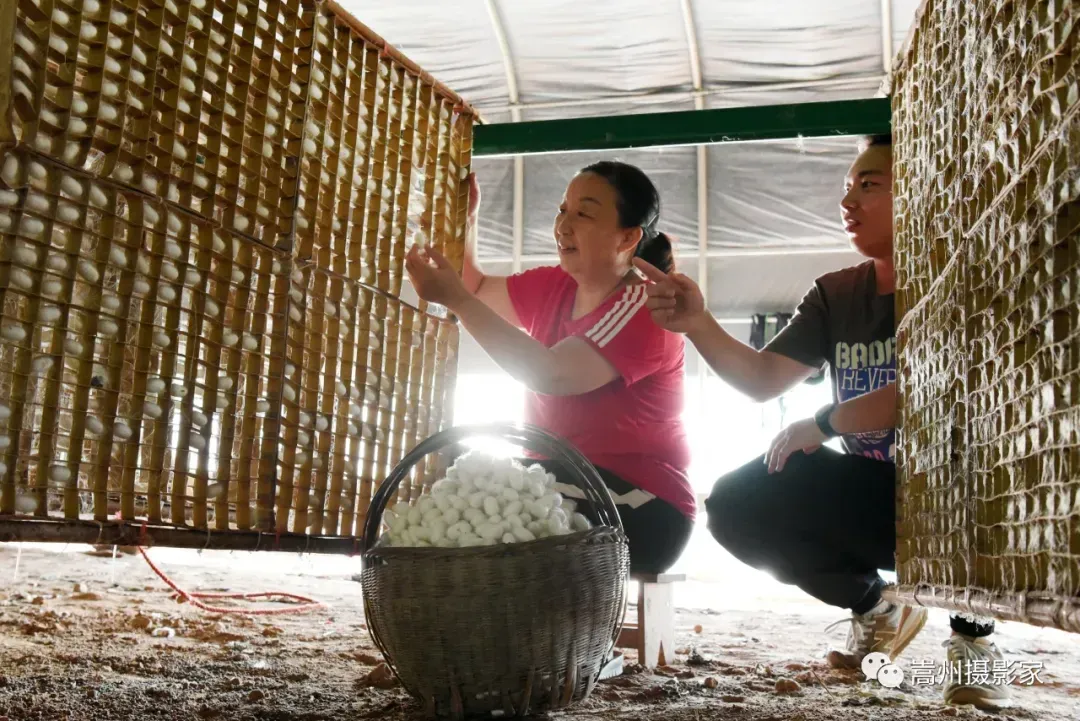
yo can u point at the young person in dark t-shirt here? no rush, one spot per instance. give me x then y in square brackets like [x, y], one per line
[815, 518]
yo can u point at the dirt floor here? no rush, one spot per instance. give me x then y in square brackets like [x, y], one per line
[87, 637]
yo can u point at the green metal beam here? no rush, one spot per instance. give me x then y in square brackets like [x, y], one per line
[693, 127]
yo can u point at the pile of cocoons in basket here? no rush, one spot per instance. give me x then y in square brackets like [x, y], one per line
[484, 501]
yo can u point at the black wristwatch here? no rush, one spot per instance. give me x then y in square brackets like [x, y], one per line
[822, 420]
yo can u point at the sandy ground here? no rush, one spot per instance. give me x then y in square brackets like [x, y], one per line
[85, 637]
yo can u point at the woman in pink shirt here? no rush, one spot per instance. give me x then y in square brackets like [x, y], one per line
[579, 336]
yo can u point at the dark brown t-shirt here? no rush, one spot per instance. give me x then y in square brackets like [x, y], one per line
[842, 321]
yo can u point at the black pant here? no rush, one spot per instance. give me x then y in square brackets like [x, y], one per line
[826, 524]
[656, 530]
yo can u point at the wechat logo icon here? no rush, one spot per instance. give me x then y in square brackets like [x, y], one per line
[879, 667]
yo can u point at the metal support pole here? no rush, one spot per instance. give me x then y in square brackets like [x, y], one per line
[499, 29]
[886, 36]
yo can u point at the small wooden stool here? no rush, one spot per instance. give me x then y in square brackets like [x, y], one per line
[654, 634]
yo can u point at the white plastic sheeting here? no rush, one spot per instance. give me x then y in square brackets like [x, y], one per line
[609, 57]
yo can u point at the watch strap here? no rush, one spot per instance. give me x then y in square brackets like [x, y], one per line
[822, 420]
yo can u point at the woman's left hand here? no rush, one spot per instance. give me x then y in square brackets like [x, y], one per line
[801, 435]
[434, 279]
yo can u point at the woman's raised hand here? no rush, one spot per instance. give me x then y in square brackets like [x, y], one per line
[434, 279]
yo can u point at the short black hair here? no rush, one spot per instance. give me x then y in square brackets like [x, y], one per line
[873, 141]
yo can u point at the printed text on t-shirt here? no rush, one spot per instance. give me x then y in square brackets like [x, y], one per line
[861, 368]
[865, 355]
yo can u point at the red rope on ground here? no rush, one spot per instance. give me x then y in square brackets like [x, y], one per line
[307, 604]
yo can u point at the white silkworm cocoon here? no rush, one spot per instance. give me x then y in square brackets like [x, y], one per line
[59, 474]
[538, 511]
[110, 302]
[13, 333]
[262, 406]
[169, 271]
[58, 263]
[199, 418]
[474, 516]
[41, 364]
[88, 271]
[31, 227]
[197, 442]
[58, 44]
[523, 535]
[141, 286]
[94, 425]
[10, 171]
[155, 385]
[121, 430]
[37, 203]
[23, 280]
[579, 522]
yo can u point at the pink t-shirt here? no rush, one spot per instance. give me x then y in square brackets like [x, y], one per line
[632, 425]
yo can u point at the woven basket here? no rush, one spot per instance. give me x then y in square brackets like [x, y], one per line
[514, 628]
